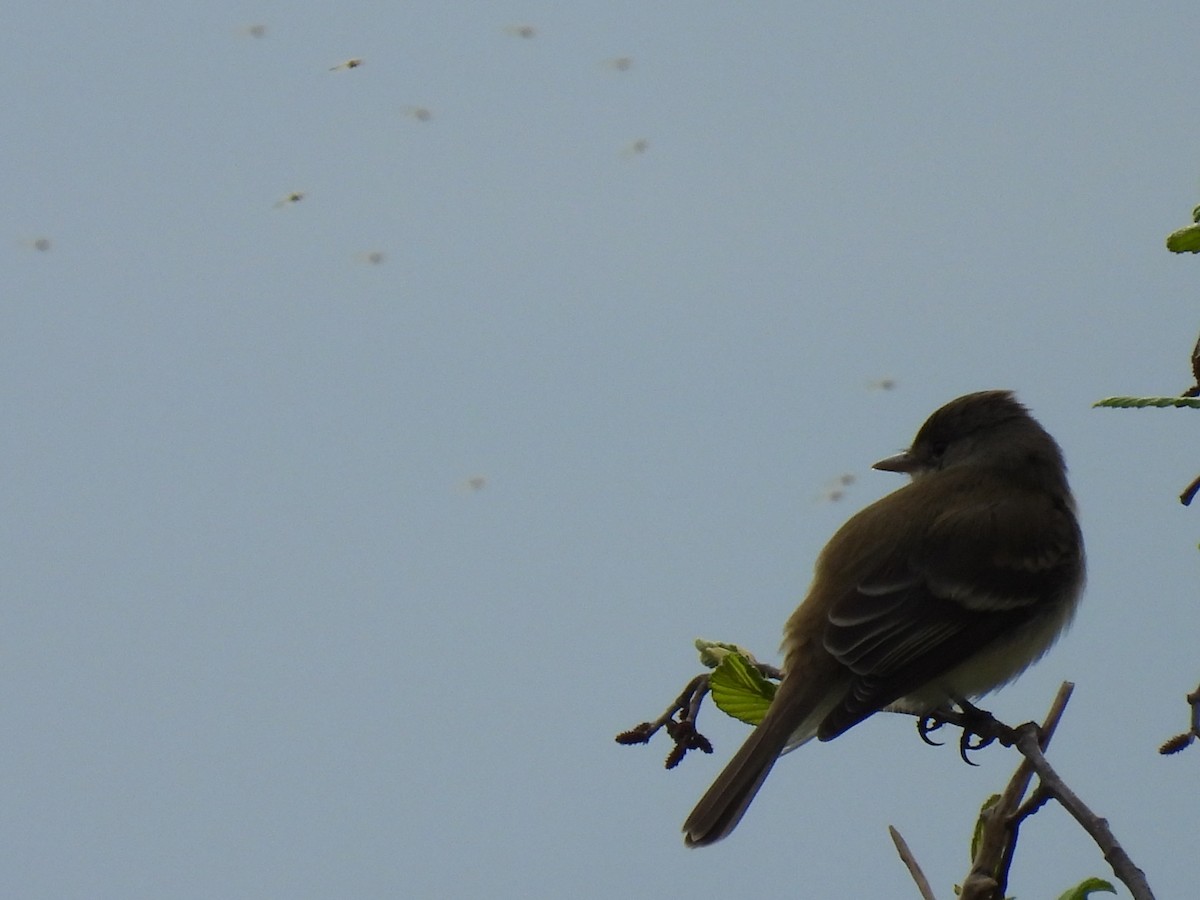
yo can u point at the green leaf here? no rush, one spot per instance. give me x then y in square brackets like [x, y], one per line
[1086, 888]
[977, 836]
[1185, 240]
[1142, 402]
[740, 690]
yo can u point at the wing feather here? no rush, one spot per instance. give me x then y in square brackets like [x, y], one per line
[978, 573]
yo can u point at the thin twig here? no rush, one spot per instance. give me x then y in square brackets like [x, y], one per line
[914, 868]
[679, 719]
[688, 701]
[767, 670]
[1123, 867]
[1180, 741]
[1189, 492]
[989, 870]
[1036, 801]
[1024, 773]
[682, 730]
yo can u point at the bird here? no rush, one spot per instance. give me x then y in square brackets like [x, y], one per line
[936, 594]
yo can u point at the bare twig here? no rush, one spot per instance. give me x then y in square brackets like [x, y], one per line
[1050, 782]
[1194, 391]
[682, 730]
[989, 871]
[768, 671]
[1177, 743]
[1189, 492]
[687, 708]
[997, 844]
[914, 868]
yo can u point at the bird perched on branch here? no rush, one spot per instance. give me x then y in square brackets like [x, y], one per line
[934, 595]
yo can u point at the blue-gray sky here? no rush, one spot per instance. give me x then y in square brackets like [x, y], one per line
[259, 636]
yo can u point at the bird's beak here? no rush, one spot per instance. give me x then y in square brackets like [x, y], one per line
[902, 462]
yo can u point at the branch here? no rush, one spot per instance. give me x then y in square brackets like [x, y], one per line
[679, 719]
[1050, 783]
[996, 848]
[914, 868]
[1189, 492]
[989, 870]
[1177, 743]
[682, 730]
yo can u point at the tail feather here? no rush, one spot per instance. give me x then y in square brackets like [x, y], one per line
[724, 804]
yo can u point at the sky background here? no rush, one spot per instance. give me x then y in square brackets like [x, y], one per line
[259, 635]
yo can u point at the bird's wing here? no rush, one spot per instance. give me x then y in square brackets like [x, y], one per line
[977, 573]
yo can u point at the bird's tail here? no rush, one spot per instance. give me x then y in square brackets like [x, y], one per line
[724, 804]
